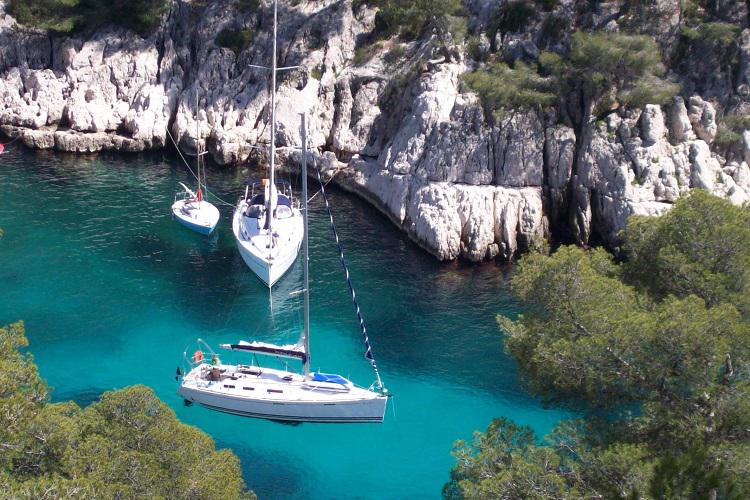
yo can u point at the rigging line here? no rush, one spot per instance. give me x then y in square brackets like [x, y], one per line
[368, 349]
[193, 173]
[318, 191]
[12, 141]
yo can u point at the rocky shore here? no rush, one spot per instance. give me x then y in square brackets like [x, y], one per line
[398, 128]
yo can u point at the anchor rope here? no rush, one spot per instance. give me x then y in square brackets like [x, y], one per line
[193, 173]
[368, 348]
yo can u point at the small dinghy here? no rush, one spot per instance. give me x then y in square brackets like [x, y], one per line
[189, 207]
[193, 212]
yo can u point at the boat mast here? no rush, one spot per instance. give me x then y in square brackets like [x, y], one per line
[197, 145]
[305, 257]
[269, 202]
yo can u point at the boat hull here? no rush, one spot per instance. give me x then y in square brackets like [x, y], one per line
[202, 220]
[272, 394]
[256, 256]
[355, 411]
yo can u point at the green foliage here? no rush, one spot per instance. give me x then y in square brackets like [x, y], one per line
[690, 476]
[717, 33]
[247, 6]
[127, 445]
[395, 54]
[547, 5]
[500, 86]
[660, 342]
[727, 138]
[50, 15]
[605, 70]
[609, 70]
[511, 17]
[504, 462]
[408, 18]
[235, 40]
[701, 247]
[365, 52]
[65, 16]
[553, 26]
[729, 135]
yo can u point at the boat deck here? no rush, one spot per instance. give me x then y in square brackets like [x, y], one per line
[251, 382]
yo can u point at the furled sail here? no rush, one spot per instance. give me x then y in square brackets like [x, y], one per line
[295, 351]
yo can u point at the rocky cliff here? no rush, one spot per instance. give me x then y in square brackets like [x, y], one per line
[396, 126]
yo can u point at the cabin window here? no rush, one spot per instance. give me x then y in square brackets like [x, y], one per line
[249, 388]
[278, 391]
[229, 386]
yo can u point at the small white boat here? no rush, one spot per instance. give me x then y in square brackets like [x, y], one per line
[193, 212]
[266, 224]
[189, 207]
[282, 395]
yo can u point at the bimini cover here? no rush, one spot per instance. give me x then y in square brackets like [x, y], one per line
[329, 377]
[288, 351]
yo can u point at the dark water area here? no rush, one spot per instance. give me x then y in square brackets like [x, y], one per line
[113, 290]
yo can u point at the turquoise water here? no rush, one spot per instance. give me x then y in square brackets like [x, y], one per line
[112, 291]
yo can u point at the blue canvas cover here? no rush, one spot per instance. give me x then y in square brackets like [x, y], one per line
[329, 377]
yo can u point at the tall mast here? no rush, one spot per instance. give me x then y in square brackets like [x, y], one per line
[197, 141]
[273, 129]
[305, 257]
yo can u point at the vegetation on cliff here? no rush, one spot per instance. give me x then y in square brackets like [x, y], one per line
[656, 348]
[601, 73]
[66, 16]
[126, 445]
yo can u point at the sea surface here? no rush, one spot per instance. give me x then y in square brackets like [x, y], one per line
[113, 292]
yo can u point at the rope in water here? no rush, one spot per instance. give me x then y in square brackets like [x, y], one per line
[365, 338]
[193, 173]
[3, 147]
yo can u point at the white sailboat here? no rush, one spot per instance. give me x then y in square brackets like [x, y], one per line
[189, 207]
[266, 224]
[282, 395]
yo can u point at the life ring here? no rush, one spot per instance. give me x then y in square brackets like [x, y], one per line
[198, 356]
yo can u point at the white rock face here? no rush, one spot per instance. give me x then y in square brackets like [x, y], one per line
[703, 118]
[399, 131]
[641, 172]
[680, 128]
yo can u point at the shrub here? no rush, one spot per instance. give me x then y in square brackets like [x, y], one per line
[553, 27]
[365, 52]
[511, 17]
[66, 16]
[408, 18]
[547, 5]
[727, 138]
[501, 86]
[395, 54]
[247, 6]
[716, 33]
[235, 40]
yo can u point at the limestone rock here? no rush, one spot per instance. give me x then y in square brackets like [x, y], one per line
[652, 124]
[680, 128]
[703, 118]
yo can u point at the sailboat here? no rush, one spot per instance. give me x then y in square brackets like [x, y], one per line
[189, 207]
[282, 395]
[266, 224]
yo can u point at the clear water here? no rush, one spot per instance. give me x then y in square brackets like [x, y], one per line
[113, 290]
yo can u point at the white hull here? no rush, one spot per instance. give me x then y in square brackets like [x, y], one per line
[200, 216]
[269, 263]
[267, 395]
